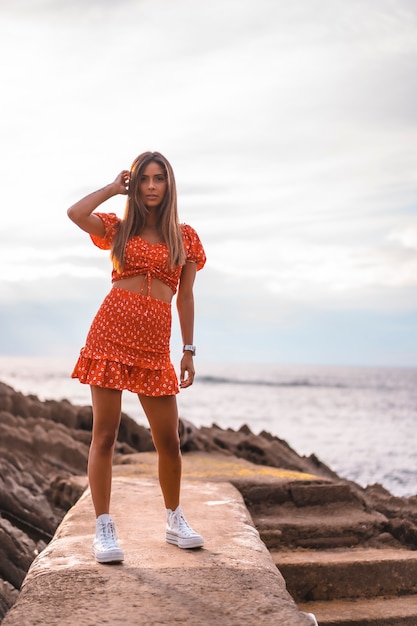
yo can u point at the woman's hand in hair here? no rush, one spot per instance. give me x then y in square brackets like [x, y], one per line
[121, 182]
[81, 213]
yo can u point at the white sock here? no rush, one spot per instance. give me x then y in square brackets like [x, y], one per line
[104, 517]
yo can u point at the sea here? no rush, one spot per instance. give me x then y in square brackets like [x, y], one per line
[360, 421]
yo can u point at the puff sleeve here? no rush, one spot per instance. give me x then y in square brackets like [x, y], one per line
[194, 250]
[111, 223]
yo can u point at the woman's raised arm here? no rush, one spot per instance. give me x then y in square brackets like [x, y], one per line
[81, 213]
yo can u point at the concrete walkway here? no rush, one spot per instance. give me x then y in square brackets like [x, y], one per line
[231, 581]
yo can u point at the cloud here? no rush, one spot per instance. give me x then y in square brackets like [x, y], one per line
[291, 128]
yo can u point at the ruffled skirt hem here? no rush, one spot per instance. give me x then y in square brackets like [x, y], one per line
[110, 374]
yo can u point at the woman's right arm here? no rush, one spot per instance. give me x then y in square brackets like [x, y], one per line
[81, 213]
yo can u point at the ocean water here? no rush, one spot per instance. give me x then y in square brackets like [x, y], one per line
[359, 421]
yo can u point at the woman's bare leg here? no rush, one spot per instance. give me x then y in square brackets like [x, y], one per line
[162, 414]
[106, 419]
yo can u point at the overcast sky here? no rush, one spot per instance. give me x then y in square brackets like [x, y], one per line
[291, 127]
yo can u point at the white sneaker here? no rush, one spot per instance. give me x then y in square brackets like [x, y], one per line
[106, 548]
[179, 532]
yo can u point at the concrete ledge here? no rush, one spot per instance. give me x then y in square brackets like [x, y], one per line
[232, 581]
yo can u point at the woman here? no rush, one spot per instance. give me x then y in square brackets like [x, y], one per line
[127, 346]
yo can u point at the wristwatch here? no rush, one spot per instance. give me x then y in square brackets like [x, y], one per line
[189, 348]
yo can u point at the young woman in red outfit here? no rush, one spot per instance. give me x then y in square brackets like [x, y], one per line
[128, 344]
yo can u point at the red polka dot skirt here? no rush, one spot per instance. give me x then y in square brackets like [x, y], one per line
[128, 346]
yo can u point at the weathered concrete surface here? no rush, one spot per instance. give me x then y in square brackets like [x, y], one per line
[232, 581]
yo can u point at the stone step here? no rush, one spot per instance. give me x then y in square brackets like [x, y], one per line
[321, 493]
[312, 492]
[358, 573]
[395, 611]
[314, 527]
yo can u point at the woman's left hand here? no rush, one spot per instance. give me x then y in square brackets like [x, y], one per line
[187, 370]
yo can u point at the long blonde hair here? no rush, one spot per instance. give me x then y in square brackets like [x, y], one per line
[136, 212]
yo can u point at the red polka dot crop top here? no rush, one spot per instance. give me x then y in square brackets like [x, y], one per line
[148, 259]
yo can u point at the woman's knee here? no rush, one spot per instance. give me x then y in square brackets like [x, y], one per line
[168, 446]
[104, 440]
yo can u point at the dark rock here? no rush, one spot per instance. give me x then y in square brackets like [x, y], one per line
[136, 436]
[85, 418]
[263, 449]
[20, 405]
[17, 551]
[62, 412]
[64, 491]
[8, 596]
[6, 398]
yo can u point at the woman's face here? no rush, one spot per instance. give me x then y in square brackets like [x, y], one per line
[153, 185]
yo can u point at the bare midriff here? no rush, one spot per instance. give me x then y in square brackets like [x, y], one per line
[147, 285]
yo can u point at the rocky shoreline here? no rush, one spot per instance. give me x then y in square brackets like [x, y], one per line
[43, 461]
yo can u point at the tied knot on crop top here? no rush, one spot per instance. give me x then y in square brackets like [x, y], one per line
[148, 259]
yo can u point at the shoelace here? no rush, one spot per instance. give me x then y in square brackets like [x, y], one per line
[183, 526]
[107, 535]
